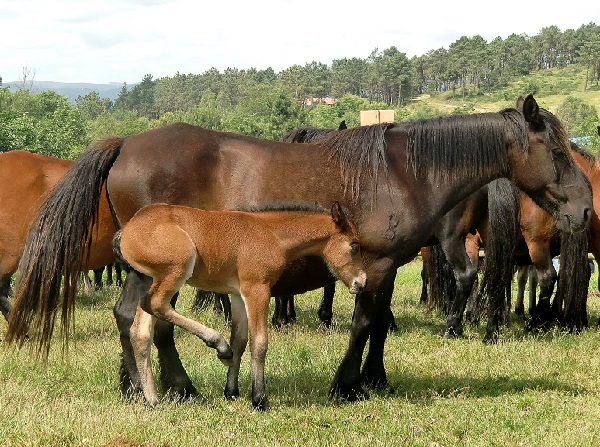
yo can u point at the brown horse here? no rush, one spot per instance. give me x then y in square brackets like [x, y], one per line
[27, 179]
[396, 180]
[234, 252]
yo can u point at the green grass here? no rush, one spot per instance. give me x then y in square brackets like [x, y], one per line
[531, 390]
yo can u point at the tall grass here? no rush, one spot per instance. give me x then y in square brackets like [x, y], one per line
[530, 389]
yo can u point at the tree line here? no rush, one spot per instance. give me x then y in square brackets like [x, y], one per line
[266, 104]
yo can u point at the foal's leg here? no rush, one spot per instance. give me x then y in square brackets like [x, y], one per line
[173, 375]
[238, 341]
[158, 303]
[142, 333]
[257, 307]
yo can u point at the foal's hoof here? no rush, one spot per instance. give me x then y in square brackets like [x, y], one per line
[226, 356]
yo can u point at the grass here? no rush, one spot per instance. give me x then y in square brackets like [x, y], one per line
[530, 389]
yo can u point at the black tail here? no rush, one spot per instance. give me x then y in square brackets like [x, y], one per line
[56, 246]
[499, 251]
[441, 286]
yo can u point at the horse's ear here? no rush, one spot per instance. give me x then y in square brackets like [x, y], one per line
[342, 125]
[531, 111]
[520, 102]
[338, 216]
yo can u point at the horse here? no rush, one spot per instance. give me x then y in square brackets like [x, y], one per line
[285, 307]
[396, 180]
[28, 178]
[234, 252]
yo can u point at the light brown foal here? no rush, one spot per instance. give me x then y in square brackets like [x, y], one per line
[234, 252]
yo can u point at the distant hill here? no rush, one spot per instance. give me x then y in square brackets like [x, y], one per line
[72, 90]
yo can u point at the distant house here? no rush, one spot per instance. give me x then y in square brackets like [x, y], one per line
[313, 101]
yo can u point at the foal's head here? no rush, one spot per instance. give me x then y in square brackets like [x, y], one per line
[342, 252]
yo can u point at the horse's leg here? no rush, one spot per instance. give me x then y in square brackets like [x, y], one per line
[464, 272]
[109, 275]
[325, 311]
[542, 313]
[280, 313]
[87, 283]
[423, 298]
[522, 277]
[98, 278]
[173, 375]
[291, 310]
[238, 343]
[158, 303]
[226, 305]
[533, 283]
[373, 372]
[257, 307]
[141, 333]
[118, 274]
[4, 292]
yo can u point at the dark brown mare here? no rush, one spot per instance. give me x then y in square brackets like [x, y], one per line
[285, 307]
[27, 178]
[396, 180]
[234, 252]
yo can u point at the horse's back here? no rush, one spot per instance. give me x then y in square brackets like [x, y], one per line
[25, 178]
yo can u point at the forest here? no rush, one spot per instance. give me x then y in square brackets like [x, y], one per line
[267, 104]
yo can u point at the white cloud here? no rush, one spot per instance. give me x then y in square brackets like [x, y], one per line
[121, 41]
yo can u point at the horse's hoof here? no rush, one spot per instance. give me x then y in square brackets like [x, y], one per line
[260, 403]
[348, 394]
[452, 332]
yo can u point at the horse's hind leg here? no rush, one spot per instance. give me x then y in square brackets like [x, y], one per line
[158, 303]
[238, 342]
[4, 292]
[142, 331]
[173, 374]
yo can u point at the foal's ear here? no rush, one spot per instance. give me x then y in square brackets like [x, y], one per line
[342, 125]
[338, 216]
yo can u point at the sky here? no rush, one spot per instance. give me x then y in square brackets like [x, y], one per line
[123, 40]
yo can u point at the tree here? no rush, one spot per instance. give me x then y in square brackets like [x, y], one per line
[91, 105]
[576, 114]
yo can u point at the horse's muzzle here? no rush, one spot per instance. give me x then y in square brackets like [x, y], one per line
[358, 284]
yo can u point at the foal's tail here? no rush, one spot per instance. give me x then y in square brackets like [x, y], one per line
[56, 247]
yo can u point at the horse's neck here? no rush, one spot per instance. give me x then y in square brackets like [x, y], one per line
[302, 235]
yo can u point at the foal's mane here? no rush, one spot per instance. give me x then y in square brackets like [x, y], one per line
[285, 206]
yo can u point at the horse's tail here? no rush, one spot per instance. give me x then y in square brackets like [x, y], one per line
[56, 246]
[499, 245]
[570, 300]
[441, 285]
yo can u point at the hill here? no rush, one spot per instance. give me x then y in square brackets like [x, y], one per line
[72, 90]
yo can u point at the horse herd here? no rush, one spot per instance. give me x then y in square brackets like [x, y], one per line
[255, 218]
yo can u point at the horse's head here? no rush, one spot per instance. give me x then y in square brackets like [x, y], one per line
[342, 252]
[548, 173]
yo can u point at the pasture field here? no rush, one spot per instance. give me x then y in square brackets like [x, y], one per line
[529, 390]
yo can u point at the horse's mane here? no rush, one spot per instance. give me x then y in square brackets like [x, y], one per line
[359, 151]
[585, 153]
[459, 146]
[306, 135]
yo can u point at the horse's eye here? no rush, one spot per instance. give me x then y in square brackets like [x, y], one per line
[354, 247]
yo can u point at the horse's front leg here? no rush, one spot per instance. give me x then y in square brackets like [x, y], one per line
[373, 372]
[325, 311]
[4, 292]
[238, 343]
[257, 299]
[522, 277]
[542, 313]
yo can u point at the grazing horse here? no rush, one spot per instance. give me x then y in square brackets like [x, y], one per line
[396, 180]
[234, 252]
[27, 179]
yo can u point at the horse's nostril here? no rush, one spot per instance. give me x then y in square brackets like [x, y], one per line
[587, 214]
